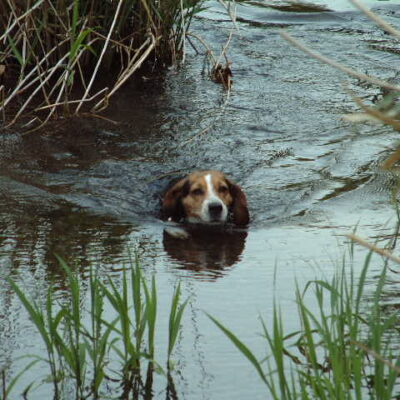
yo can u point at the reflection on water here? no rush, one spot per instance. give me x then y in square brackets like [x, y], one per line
[209, 250]
[33, 237]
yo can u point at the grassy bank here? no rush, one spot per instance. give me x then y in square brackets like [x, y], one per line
[55, 52]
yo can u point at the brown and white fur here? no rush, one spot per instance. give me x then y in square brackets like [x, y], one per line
[205, 197]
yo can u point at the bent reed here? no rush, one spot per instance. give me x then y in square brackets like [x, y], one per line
[51, 50]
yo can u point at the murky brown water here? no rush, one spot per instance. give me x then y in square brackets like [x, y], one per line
[89, 190]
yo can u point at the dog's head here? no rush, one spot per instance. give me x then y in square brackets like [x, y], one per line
[206, 197]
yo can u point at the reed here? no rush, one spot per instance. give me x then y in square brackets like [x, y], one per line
[344, 349]
[46, 321]
[82, 345]
[175, 318]
[56, 51]
[98, 340]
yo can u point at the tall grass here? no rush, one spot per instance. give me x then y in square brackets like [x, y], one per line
[345, 347]
[53, 47]
[83, 345]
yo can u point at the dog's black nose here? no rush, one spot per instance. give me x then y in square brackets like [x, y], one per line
[215, 209]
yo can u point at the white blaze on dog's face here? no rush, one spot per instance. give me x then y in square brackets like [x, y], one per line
[205, 197]
[208, 198]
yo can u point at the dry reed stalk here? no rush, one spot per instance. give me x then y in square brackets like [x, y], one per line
[23, 16]
[106, 43]
[374, 112]
[230, 8]
[224, 49]
[2, 96]
[378, 20]
[377, 356]
[378, 115]
[206, 46]
[54, 105]
[19, 89]
[63, 82]
[53, 43]
[220, 74]
[133, 66]
[46, 79]
[372, 247]
[392, 160]
[339, 66]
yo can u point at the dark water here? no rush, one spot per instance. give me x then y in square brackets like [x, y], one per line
[89, 190]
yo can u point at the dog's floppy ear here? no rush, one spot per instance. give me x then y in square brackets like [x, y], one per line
[171, 204]
[240, 212]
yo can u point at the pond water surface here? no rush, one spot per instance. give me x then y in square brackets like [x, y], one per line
[89, 190]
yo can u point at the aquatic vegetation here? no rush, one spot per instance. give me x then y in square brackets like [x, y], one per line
[83, 346]
[175, 318]
[344, 349]
[56, 53]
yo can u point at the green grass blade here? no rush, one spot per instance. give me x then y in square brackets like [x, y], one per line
[34, 312]
[175, 319]
[14, 380]
[17, 54]
[242, 348]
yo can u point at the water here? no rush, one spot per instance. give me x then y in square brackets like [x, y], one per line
[89, 190]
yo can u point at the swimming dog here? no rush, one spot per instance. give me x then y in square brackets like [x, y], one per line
[205, 197]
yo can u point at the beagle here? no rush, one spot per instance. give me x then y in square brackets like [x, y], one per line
[206, 197]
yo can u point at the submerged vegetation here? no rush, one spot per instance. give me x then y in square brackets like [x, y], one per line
[54, 53]
[87, 354]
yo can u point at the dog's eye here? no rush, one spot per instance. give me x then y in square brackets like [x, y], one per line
[197, 192]
[223, 189]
